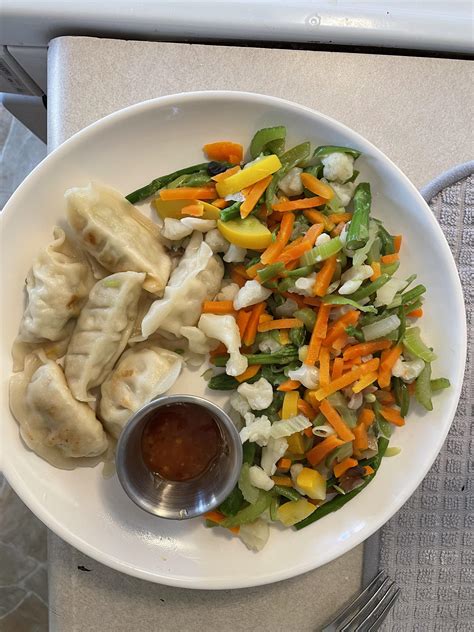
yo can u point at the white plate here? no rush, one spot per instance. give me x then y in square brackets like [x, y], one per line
[126, 150]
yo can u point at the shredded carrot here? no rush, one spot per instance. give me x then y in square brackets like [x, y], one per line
[218, 307]
[338, 230]
[280, 323]
[337, 368]
[188, 193]
[339, 218]
[289, 385]
[255, 193]
[361, 441]
[340, 343]
[283, 481]
[284, 465]
[365, 381]
[392, 415]
[365, 348]
[306, 408]
[397, 242]
[317, 187]
[251, 329]
[324, 276]
[249, 372]
[218, 518]
[366, 417]
[347, 378]
[237, 278]
[321, 450]
[415, 313]
[338, 328]
[242, 319]
[321, 325]
[314, 348]
[295, 250]
[295, 205]
[282, 238]
[368, 470]
[196, 210]
[324, 358]
[343, 466]
[389, 258]
[224, 150]
[388, 359]
[377, 271]
[316, 217]
[226, 174]
[252, 270]
[336, 421]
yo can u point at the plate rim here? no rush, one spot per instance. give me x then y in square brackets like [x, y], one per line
[21, 487]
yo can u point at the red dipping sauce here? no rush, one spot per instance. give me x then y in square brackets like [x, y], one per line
[180, 441]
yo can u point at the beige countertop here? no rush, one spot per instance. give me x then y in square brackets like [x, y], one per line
[416, 110]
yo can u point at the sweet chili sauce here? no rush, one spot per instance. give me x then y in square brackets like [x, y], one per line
[180, 441]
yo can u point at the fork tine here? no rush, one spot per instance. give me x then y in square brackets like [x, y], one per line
[380, 614]
[369, 606]
[343, 615]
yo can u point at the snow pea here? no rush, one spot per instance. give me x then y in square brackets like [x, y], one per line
[271, 139]
[158, 183]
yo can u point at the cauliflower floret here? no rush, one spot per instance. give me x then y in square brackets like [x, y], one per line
[225, 329]
[235, 254]
[408, 370]
[338, 167]
[258, 478]
[251, 294]
[257, 430]
[239, 403]
[354, 277]
[307, 375]
[235, 197]
[228, 291]
[173, 229]
[216, 241]
[201, 225]
[259, 394]
[305, 285]
[344, 191]
[286, 309]
[198, 341]
[275, 449]
[291, 184]
[269, 345]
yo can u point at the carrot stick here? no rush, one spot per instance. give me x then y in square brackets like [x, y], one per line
[255, 193]
[188, 193]
[280, 323]
[317, 187]
[393, 416]
[252, 270]
[313, 233]
[224, 150]
[295, 205]
[321, 325]
[366, 417]
[316, 217]
[220, 203]
[416, 313]
[365, 348]
[306, 409]
[218, 307]
[375, 265]
[397, 242]
[338, 328]
[242, 319]
[226, 174]
[387, 361]
[324, 366]
[276, 248]
[314, 348]
[196, 210]
[361, 441]
[346, 379]
[389, 258]
[289, 385]
[321, 450]
[249, 372]
[284, 465]
[336, 421]
[324, 276]
[337, 368]
[339, 218]
[343, 466]
[251, 329]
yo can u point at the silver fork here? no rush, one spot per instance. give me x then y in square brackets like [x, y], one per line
[368, 611]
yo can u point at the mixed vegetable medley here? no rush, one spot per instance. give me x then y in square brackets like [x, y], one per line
[314, 333]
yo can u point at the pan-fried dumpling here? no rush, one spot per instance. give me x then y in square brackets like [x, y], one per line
[115, 233]
[142, 373]
[197, 278]
[102, 331]
[52, 423]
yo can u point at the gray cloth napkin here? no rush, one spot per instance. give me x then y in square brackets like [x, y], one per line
[428, 546]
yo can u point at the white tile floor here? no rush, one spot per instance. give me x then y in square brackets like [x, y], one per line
[23, 574]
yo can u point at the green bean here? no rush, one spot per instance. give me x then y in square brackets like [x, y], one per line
[388, 247]
[157, 184]
[268, 138]
[403, 323]
[389, 268]
[333, 299]
[325, 150]
[287, 492]
[358, 233]
[270, 271]
[369, 289]
[298, 272]
[231, 212]
[402, 395]
[411, 295]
